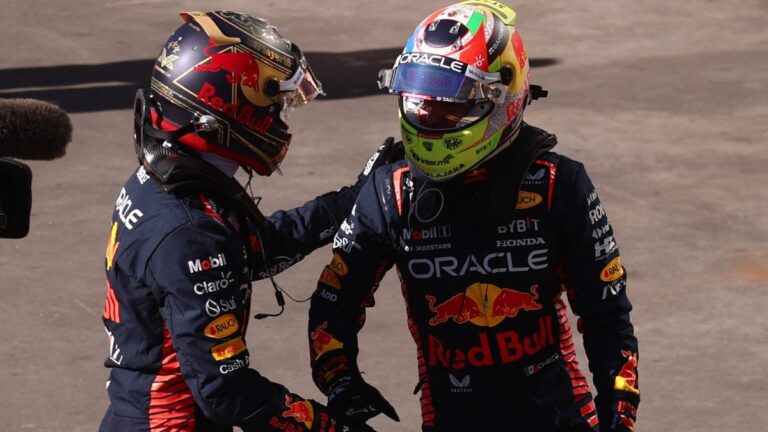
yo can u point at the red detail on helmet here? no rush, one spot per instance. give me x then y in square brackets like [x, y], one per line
[242, 67]
[240, 111]
[429, 135]
[197, 142]
[520, 53]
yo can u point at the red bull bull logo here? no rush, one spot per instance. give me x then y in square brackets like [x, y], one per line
[301, 411]
[484, 305]
[322, 341]
[241, 67]
[626, 379]
[112, 246]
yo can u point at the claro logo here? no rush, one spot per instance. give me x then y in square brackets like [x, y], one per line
[222, 327]
[199, 265]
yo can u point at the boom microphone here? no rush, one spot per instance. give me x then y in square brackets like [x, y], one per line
[29, 129]
[33, 129]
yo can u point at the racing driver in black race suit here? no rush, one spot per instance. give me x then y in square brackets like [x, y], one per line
[186, 239]
[487, 228]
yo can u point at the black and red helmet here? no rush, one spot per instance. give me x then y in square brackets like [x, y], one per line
[226, 81]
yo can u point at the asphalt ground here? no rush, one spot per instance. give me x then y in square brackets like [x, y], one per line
[665, 102]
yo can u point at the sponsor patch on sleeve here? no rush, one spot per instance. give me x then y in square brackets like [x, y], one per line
[330, 278]
[228, 349]
[612, 271]
[222, 327]
[338, 265]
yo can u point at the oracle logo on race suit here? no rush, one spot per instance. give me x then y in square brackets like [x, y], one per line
[496, 262]
[128, 215]
[199, 265]
[491, 349]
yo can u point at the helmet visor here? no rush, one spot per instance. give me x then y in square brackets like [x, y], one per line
[440, 78]
[300, 89]
[441, 84]
[440, 116]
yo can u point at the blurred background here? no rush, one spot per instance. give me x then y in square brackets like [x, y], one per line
[665, 102]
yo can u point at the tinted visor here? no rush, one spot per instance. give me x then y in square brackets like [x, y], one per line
[441, 116]
[433, 81]
[300, 89]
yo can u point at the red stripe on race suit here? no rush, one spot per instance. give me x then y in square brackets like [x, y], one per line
[579, 383]
[397, 180]
[427, 409]
[111, 305]
[171, 405]
[552, 173]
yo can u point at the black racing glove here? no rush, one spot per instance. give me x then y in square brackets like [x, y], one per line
[296, 414]
[389, 152]
[622, 415]
[354, 398]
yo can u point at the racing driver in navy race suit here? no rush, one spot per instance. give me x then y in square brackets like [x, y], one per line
[488, 228]
[186, 239]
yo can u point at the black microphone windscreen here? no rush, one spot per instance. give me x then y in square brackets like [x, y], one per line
[33, 129]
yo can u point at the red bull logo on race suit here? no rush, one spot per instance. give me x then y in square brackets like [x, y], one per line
[301, 411]
[322, 341]
[484, 305]
[626, 379]
[500, 348]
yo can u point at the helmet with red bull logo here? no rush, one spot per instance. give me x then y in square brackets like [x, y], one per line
[462, 82]
[224, 83]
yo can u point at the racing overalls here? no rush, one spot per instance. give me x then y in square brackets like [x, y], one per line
[484, 261]
[179, 269]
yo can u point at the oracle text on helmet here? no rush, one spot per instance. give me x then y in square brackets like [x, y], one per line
[431, 60]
